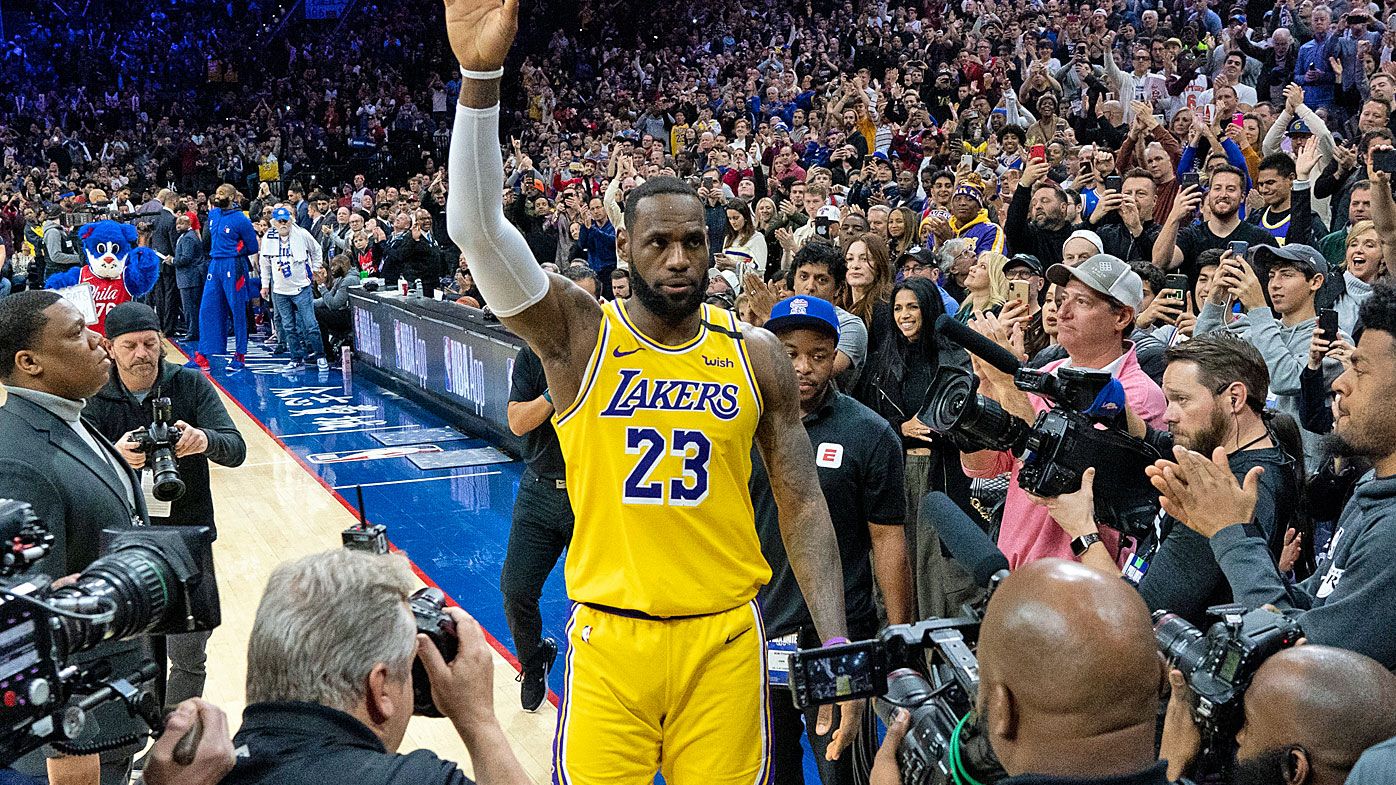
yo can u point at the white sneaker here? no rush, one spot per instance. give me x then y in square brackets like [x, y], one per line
[321, 364]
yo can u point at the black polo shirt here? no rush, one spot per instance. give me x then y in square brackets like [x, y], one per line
[541, 451]
[294, 743]
[860, 464]
[1194, 239]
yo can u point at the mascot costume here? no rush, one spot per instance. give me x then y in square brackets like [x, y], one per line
[117, 269]
[227, 288]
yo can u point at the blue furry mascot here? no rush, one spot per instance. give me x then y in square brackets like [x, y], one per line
[117, 268]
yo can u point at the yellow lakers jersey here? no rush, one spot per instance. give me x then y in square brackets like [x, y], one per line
[658, 450]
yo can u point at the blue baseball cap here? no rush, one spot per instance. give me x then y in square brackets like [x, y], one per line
[804, 313]
[281, 214]
[1297, 126]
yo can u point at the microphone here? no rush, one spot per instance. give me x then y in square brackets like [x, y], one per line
[977, 345]
[970, 546]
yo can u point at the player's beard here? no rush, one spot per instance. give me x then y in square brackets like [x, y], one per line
[670, 309]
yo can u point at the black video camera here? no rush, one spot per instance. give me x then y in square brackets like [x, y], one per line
[1220, 664]
[157, 441]
[1060, 445]
[428, 608]
[944, 743]
[148, 581]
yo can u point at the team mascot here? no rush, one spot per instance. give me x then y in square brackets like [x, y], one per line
[118, 269]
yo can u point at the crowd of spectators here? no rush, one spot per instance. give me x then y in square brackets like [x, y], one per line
[1177, 193]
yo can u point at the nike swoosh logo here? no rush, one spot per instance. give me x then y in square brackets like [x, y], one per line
[731, 638]
[618, 353]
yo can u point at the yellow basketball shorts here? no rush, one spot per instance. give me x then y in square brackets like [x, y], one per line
[683, 697]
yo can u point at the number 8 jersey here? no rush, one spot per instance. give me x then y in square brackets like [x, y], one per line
[658, 451]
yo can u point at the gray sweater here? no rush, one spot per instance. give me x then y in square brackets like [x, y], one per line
[1286, 353]
[1350, 600]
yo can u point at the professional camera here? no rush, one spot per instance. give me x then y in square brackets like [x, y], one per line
[944, 743]
[157, 441]
[148, 581]
[1061, 444]
[1219, 664]
[428, 606]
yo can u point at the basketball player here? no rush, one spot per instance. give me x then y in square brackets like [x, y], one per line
[658, 401]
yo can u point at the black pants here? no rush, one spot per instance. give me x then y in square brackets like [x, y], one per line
[189, 303]
[788, 723]
[166, 299]
[541, 529]
[334, 325]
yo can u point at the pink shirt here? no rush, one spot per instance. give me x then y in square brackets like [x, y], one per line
[1028, 533]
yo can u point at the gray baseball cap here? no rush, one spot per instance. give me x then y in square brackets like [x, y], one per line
[1109, 275]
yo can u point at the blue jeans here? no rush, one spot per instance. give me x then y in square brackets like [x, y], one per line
[295, 313]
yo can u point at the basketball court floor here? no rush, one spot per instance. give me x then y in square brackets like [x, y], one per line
[314, 442]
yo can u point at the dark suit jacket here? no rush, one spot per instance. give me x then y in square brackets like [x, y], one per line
[164, 237]
[47, 465]
[189, 261]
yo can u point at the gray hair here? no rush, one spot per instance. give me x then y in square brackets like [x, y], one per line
[323, 624]
[948, 251]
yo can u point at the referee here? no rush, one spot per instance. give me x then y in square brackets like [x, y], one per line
[543, 519]
[859, 459]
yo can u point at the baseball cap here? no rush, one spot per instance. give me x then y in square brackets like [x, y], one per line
[804, 312]
[131, 317]
[1104, 273]
[1089, 236]
[1027, 260]
[829, 211]
[921, 254]
[281, 214]
[1305, 257]
[1297, 127]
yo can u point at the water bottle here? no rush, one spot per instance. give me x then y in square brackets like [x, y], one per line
[419, 287]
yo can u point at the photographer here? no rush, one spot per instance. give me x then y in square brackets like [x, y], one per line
[1348, 601]
[329, 681]
[75, 480]
[1069, 681]
[1096, 304]
[122, 411]
[1214, 386]
[1310, 712]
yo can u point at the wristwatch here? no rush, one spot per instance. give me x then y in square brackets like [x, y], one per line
[1081, 544]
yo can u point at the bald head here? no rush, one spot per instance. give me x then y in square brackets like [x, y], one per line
[1332, 702]
[1070, 673]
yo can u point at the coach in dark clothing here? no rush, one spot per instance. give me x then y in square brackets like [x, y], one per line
[74, 479]
[859, 461]
[191, 265]
[166, 297]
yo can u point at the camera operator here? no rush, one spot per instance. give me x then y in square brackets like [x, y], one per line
[1350, 600]
[1070, 680]
[1214, 386]
[329, 681]
[1096, 303]
[1310, 712]
[122, 411]
[73, 477]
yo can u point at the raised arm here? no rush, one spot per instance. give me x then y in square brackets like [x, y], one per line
[557, 318]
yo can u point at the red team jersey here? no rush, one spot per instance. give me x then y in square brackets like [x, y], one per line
[107, 294]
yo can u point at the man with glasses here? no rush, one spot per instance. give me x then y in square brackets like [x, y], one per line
[289, 257]
[920, 262]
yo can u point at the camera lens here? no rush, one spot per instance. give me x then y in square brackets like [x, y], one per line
[134, 581]
[1183, 645]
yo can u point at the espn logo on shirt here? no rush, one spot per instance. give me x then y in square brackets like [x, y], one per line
[829, 455]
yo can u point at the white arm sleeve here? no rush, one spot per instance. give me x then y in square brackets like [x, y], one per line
[502, 263]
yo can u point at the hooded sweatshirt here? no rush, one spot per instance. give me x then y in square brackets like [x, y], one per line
[1286, 353]
[1348, 602]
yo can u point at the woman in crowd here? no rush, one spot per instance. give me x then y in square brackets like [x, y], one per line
[765, 217]
[901, 231]
[744, 248]
[1365, 264]
[898, 385]
[869, 283]
[986, 286]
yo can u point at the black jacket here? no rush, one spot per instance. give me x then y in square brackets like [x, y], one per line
[1045, 244]
[293, 743]
[114, 412]
[47, 465]
[1115, 236]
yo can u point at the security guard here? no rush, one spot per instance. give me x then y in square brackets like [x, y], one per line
[859, 461]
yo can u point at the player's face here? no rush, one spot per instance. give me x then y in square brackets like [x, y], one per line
[812, 354]
[667, 248]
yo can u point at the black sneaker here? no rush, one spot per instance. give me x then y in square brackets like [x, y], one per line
[535, 676]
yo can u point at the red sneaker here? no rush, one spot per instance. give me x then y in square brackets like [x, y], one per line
[199, 361]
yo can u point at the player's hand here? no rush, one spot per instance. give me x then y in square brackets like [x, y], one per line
[192, 441]
[886, 770]
[462, 689]
[850, 720]
[481, 31]
[130, 452]
[212, 751]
